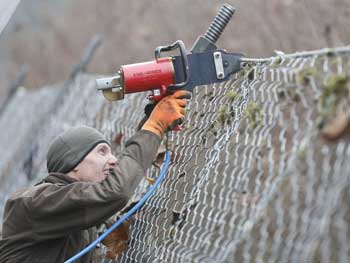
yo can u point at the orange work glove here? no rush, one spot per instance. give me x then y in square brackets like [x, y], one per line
[167, 113]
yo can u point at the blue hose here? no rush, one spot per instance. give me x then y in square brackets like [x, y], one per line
[128, 214]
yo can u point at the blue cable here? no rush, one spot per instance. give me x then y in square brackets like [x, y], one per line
[128, 214]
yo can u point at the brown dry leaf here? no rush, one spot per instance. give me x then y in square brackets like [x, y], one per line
[150, 180]
[118, 138]
[117, 241]
[337, 126]
[161, 154]
[161, 158]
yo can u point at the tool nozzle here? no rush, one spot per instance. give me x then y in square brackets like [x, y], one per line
[111, 87]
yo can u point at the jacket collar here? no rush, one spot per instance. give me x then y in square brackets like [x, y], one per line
[55, 178]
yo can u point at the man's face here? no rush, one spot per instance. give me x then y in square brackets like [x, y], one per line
[96, 165]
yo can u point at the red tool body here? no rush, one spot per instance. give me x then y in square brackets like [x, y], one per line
[148, 75]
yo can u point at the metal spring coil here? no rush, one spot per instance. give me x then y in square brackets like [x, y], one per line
[218, 25]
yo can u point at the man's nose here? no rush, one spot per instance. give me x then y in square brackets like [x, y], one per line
[112, 160]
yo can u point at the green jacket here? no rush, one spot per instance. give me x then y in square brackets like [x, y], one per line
[53, 220]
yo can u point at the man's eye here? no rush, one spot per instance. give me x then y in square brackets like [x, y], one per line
[102, 150]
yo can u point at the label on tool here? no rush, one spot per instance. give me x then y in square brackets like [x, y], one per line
[149, 75]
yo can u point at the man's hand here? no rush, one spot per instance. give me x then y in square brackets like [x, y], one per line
[167, 113]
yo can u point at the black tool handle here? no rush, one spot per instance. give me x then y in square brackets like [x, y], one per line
[220, 22]
[207, 42]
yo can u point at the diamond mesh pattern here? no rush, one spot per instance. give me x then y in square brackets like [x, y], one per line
[252, 177]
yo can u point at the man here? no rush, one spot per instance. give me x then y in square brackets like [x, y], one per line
[55, 219]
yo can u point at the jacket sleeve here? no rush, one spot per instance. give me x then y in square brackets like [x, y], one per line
[57, 210]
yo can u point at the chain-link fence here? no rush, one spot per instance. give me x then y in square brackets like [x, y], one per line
[260, 173]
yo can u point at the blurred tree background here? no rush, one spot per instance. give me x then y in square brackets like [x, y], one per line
[50, 36]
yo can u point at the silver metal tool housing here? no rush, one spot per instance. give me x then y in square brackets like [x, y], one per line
[111, 87]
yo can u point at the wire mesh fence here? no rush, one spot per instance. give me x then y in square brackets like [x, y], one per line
[260, 173]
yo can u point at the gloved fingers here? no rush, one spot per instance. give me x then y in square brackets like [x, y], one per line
[182, 111]
[176, 122]
[181, 102]
[181, 94]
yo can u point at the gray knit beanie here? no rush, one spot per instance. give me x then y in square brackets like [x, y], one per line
[68, 149]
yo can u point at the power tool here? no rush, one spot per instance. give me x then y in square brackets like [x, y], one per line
[203, 64]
